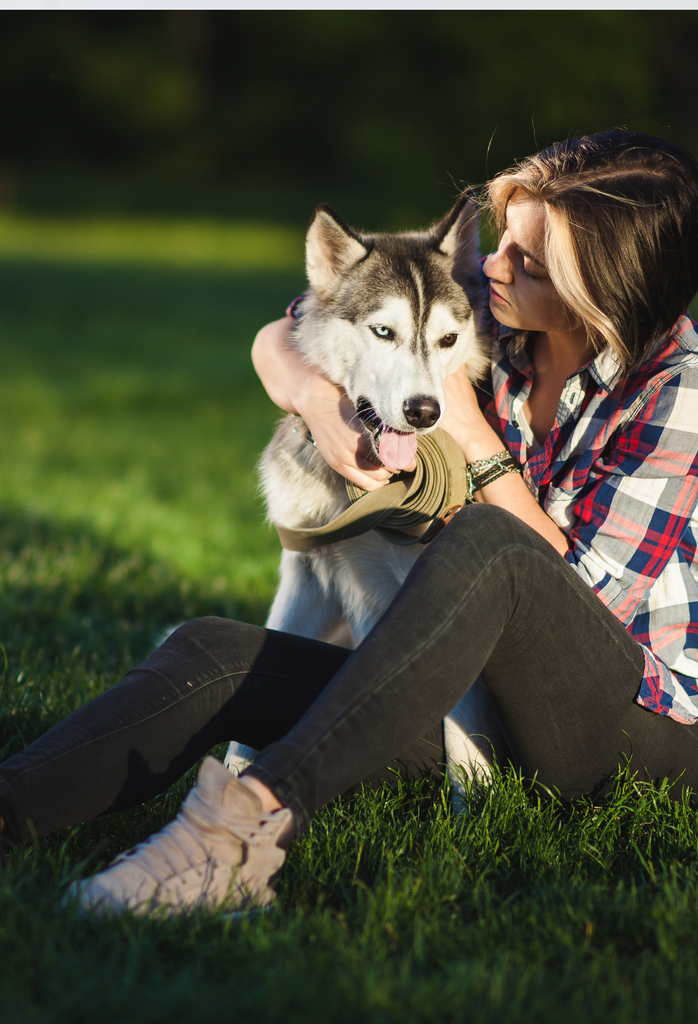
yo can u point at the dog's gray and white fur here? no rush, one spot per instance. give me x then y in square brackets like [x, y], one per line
[388, 318]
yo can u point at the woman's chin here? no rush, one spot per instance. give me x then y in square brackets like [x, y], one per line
[504, 315]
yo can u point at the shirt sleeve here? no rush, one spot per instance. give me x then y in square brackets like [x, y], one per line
[644, 491]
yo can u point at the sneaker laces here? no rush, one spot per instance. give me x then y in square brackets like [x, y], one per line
[251, 829]
[166, 844]
[164, 847]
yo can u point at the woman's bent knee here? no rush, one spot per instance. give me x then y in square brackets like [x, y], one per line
[206, 648]
[212, 630]
[488, 530]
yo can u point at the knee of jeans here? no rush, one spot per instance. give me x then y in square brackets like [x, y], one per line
[482, 533]
[194, 628]
[218, 638]
[482, 523]
[214, 624]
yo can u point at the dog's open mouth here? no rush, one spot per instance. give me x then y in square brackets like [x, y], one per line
[395, 448]
[369, 417]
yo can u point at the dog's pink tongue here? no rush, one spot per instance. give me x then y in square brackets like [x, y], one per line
[396, 450]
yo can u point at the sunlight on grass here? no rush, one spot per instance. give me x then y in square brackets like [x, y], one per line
[181, 489]
[200, 244]
[129, 407]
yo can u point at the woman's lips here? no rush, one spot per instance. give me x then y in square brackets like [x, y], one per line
[494, 295]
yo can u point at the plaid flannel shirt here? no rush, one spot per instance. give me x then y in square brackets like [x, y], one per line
[619, 475]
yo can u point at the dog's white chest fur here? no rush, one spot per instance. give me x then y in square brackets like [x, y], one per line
[388, 318]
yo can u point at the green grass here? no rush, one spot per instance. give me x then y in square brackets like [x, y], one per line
[130, 421]
[190, 243]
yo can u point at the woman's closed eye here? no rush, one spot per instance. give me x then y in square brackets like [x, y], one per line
[533, 269]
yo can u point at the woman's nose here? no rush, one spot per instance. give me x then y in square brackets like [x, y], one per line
[499, 265]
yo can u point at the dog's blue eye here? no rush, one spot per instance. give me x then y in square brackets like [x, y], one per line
[383, 332]
[448, 340]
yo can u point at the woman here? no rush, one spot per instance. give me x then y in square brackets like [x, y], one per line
[569, 588]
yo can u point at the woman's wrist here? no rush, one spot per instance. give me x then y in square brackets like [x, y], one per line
[482, 447]
[313, 389]
[476, 440]
[465, 421]
[486, 471]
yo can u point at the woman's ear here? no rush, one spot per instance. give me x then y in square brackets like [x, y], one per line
[331, 249]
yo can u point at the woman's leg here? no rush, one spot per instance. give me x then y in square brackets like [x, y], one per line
[212, 680]
[488, 597]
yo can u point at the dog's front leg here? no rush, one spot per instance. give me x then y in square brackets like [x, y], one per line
[474, 740]
[302, 605]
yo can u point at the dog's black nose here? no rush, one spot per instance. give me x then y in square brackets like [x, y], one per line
[421, 411]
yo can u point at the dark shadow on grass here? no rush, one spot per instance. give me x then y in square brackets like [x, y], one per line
[111, 583]
[76, 612]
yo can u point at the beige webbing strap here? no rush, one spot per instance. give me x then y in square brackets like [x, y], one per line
[435, 490]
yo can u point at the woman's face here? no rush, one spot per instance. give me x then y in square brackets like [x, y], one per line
[521, 293]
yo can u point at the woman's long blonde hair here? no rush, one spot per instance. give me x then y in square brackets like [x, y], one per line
[621, 233]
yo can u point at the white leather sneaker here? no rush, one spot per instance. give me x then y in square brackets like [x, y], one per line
[219, 849]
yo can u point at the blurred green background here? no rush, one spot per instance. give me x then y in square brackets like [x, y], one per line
[263, 114]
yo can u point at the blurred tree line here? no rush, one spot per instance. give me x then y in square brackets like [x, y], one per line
[264, 114]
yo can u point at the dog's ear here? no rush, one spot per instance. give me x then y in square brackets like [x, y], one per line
[331, 249]
[458, 234]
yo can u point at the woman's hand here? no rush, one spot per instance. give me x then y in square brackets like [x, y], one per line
[477, 440]
[338, 433]
[464, 420]
[297, 387]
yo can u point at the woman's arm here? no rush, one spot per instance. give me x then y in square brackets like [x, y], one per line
[477, 440]
[297, 387]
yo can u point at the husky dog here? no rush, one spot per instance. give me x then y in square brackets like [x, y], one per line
[388, 318]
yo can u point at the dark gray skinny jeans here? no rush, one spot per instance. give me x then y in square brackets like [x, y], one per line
[488, 597]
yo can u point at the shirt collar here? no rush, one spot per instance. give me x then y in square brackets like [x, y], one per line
[605, 368]
[513, 342]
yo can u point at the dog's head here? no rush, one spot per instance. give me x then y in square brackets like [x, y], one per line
[389, 317]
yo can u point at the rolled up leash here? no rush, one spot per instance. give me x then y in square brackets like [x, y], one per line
[436, 490]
